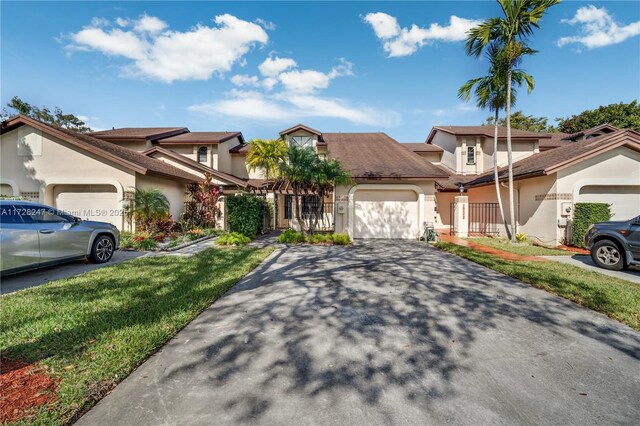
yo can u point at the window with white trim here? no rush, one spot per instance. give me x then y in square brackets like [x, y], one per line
[471, 155]
[202, 154]
[301, 141]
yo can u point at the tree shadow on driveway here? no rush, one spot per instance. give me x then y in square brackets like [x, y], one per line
[383, 332]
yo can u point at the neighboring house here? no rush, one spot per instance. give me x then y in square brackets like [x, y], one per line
[80, 173]
[396, 190]
[551, 172]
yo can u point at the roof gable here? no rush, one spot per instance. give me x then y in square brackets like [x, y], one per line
[225, 177]
[548, 162]
[376, 156]
[126, 157]
[300, 127]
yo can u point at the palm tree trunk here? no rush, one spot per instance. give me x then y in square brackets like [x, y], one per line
[512, 213]
[296, 197]
[495, 176]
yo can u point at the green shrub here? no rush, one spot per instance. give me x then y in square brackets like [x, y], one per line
[291, 237]
[233, 239]
[126, 240]
[245, 214]
[585, 215]
[521, 237]
[145, 244]
[341, 239]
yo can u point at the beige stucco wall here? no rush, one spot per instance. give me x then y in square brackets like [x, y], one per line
[172, 189]
[57, 163]
[449, 144]
[433, 157]
[134, 144]
[616, 168]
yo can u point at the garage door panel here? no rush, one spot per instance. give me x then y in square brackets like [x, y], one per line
[624, 199]
[90, 202]
[386, 214]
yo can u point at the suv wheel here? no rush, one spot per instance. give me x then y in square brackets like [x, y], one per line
[606, 254]
[102, 250]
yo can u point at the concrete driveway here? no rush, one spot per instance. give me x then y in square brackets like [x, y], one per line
[38, 277]
[384, 333]
[631, 274]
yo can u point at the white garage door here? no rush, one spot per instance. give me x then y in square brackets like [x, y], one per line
[624, 200]
[386, 214]
[89, 202]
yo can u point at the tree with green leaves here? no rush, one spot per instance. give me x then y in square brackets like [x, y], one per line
[510, 33]
[621, 115]
[147, 206]
[521, 121]
[56, 117]
[491, 93]
[267, 154]
[306, 172]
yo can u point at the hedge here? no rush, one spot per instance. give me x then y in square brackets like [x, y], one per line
[245, 214]
[585, 215]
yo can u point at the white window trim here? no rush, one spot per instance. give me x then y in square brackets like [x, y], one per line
[475, 159]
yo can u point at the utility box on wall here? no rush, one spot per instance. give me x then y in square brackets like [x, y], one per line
[341, 207]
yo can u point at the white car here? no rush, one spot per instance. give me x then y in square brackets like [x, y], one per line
[34, 235]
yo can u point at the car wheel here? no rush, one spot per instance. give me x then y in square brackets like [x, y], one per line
[102, 250]
[606, 254]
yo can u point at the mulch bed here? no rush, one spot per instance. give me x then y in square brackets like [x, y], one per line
[24, 388]
[572, 249]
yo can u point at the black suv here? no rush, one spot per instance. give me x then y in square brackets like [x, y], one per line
[615, 245]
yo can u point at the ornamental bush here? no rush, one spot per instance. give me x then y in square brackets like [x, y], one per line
[585, 215]
[233, 239]
[245, 214]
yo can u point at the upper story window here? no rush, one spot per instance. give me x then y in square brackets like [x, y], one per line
[301, 141]
[471, 155]
[202, 154]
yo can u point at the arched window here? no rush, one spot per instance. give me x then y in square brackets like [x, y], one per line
[202, 154]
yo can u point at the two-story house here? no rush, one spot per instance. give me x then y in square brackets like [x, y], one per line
[397, 188]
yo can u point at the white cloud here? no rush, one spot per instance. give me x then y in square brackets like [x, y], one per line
[397, 41]
[267, 25]
[244, 80]
[158, 53]
[308, 81]
[150, 24]
[597, 28]
[271, 67]
[286, 107]
[123, 22]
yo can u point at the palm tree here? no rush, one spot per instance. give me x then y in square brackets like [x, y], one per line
[491, 94]
[327, 174]
[267, 154]
[147, 205]
[299, 169]
[511, 33]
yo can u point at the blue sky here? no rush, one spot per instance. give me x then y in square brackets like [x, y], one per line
[260, 67]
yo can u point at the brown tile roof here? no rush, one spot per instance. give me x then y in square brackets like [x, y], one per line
[487, 131]
[606, 128]
[240, 149]
[230, 179]
[200, 137]
[141, 133]
[557, 139]
[422, 147]
[300, 127]
[551, 161]
[124, 156]
[376, 155]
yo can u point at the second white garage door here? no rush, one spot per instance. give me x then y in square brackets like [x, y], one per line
[624, 199]
[89, 202]
[386, 214]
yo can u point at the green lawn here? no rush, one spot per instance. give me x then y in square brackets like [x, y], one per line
[91, 331]
[527, 249]
[616, 298]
